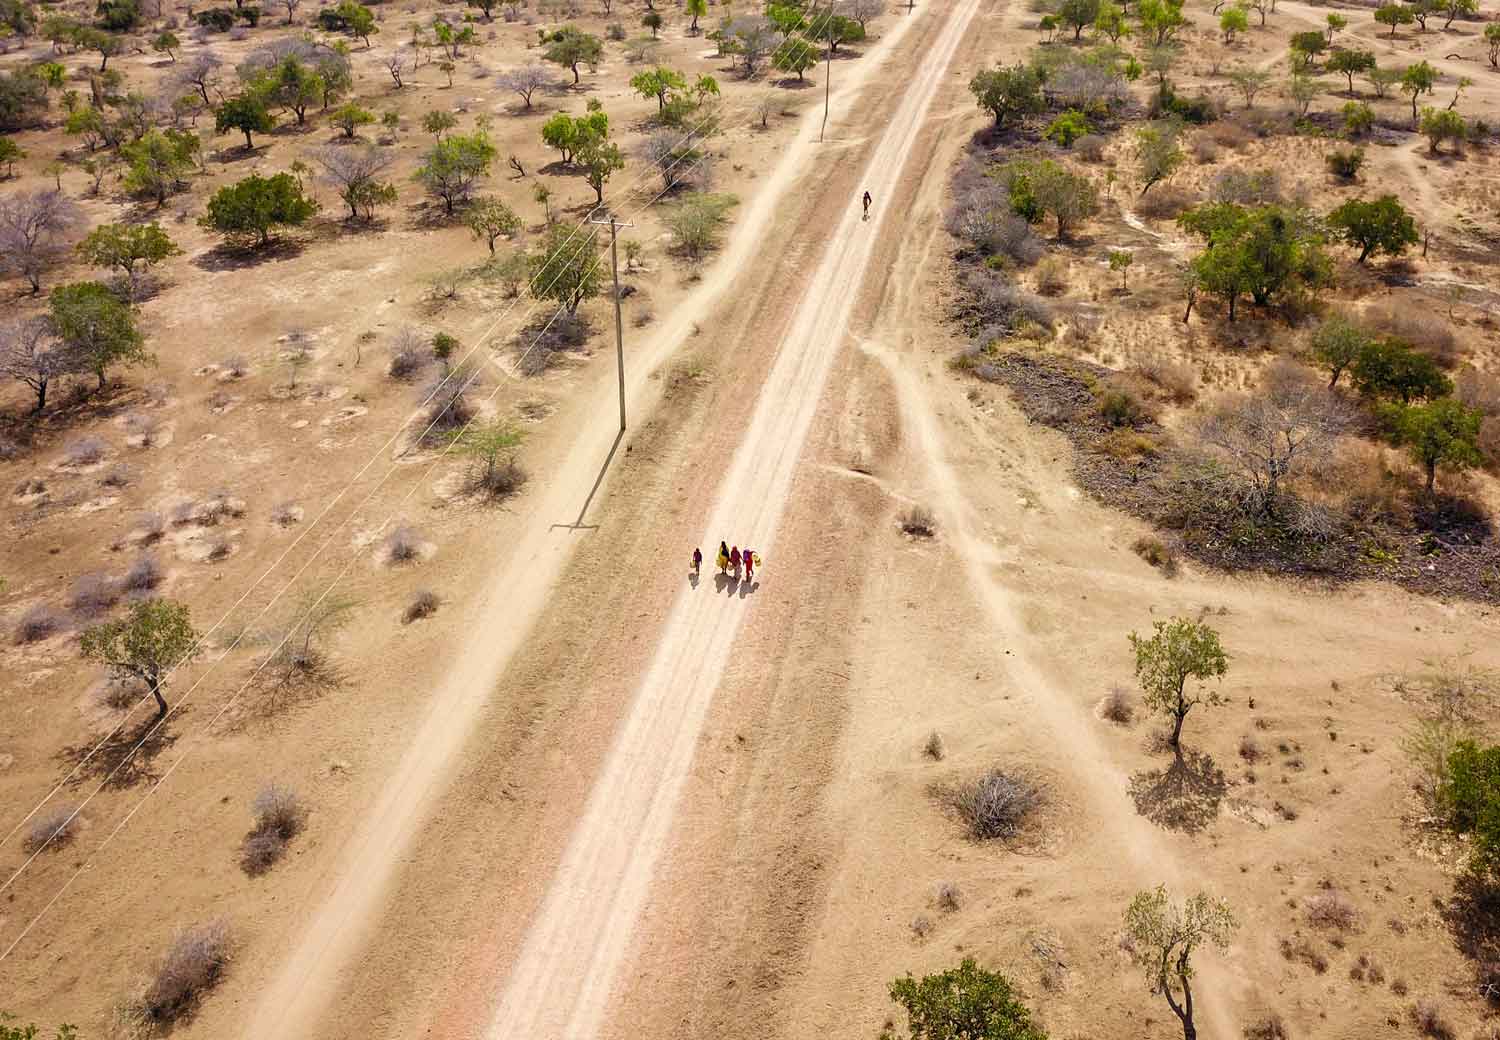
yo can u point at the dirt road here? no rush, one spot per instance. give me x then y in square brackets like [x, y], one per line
[306, 980]
[562, 979]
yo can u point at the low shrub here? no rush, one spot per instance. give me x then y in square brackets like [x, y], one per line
[1346, 162]
[934, 748]
[918, 522]
[52, 830]
[84, 452]
[423, 605]
[37, 623]
[1117, 706]
[192, 966]
[1428, 1019]
[93, 594]
[279, 817]
[1176, 381]
[1119, 408]
[1304, 952]
[1156, 553]
[1165, 202]
[1330, 910]
[949, 897]
[1269, 1028]
[997, 804]
[403, 545]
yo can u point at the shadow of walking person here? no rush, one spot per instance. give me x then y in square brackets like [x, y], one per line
[693, 578]
[721, 581]
[747, 587]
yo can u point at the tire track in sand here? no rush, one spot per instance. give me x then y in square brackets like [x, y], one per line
[563, 976]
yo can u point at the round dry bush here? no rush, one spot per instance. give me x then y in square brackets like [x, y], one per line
[193, 964]
[1117, 706]
[1165, 202]
[37, 623]
[278, 809]
[52, 830]
[997, 804]
[1330, 910]
[144, 575]
[423, 605]
[403, 545]
[84, 452]
[93, 594]
[918, 522]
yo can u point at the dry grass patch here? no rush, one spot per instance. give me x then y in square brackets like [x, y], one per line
[37, 623]
[1155, 552]
[1330, 910]
[918, 522]
[1117, 706]
[279, 816]
[423, 605]
[997, 804]
[191, 967]
[51, 831]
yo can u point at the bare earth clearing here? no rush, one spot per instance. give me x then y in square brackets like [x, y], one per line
[589, 798]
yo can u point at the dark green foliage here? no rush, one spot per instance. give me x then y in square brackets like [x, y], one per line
[1443, 432]
[118, 15]
[250, 209]
[1471, 798]
[246, 113]
[1008, 93]
[1392, 370]
[1345, 162]
[1261, 251]
[23, 99]
[1381, 226]
[217, 19]
[963, 1003]
[93, 322]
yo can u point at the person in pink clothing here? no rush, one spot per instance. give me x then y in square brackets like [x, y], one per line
[734, 561]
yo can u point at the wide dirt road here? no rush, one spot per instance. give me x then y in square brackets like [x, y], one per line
[561, 981]
[316, 965]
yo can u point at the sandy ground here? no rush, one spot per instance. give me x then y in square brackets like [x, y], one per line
[623, 805]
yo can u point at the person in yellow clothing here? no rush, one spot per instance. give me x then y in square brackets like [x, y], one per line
[723, 559]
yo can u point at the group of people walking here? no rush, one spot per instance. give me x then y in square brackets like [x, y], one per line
[730, 560]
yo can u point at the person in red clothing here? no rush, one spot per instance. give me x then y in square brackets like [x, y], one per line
[734, 561]
[697, 561]
[749, 557]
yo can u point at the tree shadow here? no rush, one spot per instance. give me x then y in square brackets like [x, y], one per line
[1183, 797]
[126, 758]
[228, 256]
[1473, 918]
[793, 83]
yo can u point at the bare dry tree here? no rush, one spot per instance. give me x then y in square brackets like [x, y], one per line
[34, 227]
[526, 81]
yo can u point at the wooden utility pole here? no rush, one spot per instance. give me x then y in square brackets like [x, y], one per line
[614, 263]
[827, 70]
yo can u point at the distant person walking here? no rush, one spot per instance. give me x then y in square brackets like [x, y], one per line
[723, 560]
[749, 558]
[697, 560]
[868, 200]
[734, 561]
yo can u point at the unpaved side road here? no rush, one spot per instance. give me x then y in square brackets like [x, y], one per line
[515, 594]
[562, 980]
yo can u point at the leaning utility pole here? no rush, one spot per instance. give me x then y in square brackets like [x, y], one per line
[614, 262]
[827, 70]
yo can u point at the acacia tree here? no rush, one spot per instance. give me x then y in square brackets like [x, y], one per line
[1008, 93]
[1443, 432]
[159, 162]
[1381, 226]
[454, 166]
[355, 174]
[1178, 650]
[132, 249]
[526, 81]
[1336, 344]
[1394, 15]
[1349, 62]
[1249, 81]
[571, 47]
[92, 322]
[153, 641]
[31, 354]
[1157, 151]
[565, 268]
[490, 220]
[1165, 936]
[1267, 434]
[252, 208]
[1417, 80]
[965, 1002]
[34, 227]
[1068, 196]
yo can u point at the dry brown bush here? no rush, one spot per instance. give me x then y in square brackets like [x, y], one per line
[1330, 909]
[144, 574]
[192, 966]
[1428, 332]
[1117, 706]
[1166, 202]
[1227, 133]
[37, 623]
[118, 476]
[1250, 749]
[84, 452]
[52, 830]
[1090, 148]
[997, 804]
[1269, 1028]
[949, 897]
[93, 594]
[1052, 276]
[278, 817]
[403, 545]
[918, 522]
[1303, 951]
[1428, 1019]
[424, 604]
[1155, 552]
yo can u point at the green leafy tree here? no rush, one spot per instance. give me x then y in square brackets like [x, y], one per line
[1453, 8]
[1358, 118]
[1008, 93]
[1337, 344]
[350, 117]
[1157, 151]
[1336, 23]
[1441, 433]
[1249, 81]
[1492, 43]
[491, 219]
[696, 9]
[154, 640]
[571, 47]
[1303, 90]
[659, 83]
[1422, 10]
[1382, 80]
[291, 83]
[962, 1003]
[788, 19]
[92, 322]
[1065, 195]
[1232, 21]
[1160, 20]
[252, 208]
[437, 122]
[653, 21]
[1078, 15]
[358, 19]
[1417, 80]
[838, 30]
[247, 113]
[1178, 650]
[1349, 63]
[1164, 937]
[167, 43]
[132, 249]
[1381, 226]
[355, 173]
[455, 165]
[1068, 127]
[565, 268]
[599, 159]
[1110, 21]
[1394, 15]
[158, 163]
[1439, 125]
[1306, 46]
[10, 154]
[1391, 369]
[1260, 251]
[1120, 260]
[795, 55]
[486, 7]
